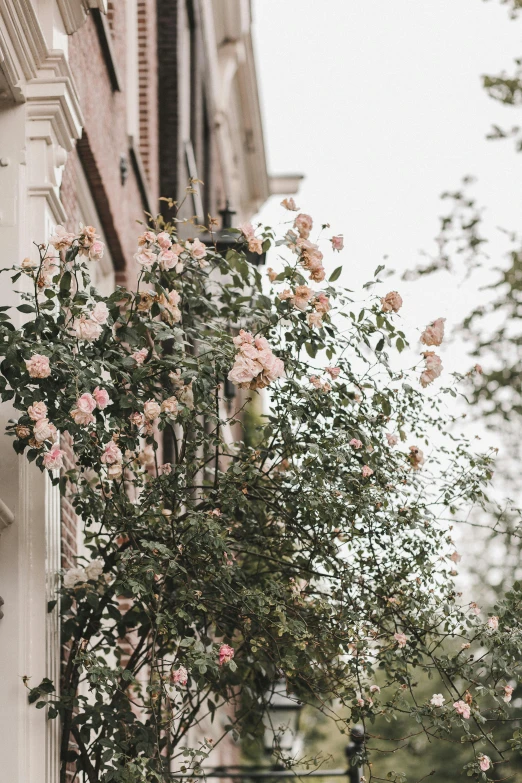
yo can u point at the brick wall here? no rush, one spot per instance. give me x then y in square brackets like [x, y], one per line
[148, 92]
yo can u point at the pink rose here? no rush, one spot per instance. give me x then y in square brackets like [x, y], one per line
[366, 471]
[322, 303]
[140, 356]
[391, 303]
[401, 639]
[44, 430]
[433, 368]
[333, 372]
[318, 275]
[197, 250]
[53, 459]
[145, 257]
[86, 403]
[114, 471]
[355, 444]
[87, 329]
[168, 259]
[416, 457]
[180, 676]
[314, 319]
[337, 243]
[111, 454]
[96, 250]
[508, 690]
[493, 623]
[100, 313]
[170, 406]
[271, 274]
[244, 370]
[164, 240]
[255, 245]
[247, 229]
[147, 238]
[61, 239]
[484, 762]
[434, 333]
[226, 653]
[243, 337]
[462, 709]
[392, 439]
[102, 398]
[303, 223]
[37, 411]
[151, 410]
[138, 419]
[289, 203]
[38, 366]
[437, 700]
[82, 418]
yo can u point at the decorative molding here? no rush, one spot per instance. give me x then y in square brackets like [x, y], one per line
[24, 34]
[6, 516]
[74, 12]
[105, 39]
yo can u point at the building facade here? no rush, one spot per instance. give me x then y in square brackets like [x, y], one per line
[104, 107]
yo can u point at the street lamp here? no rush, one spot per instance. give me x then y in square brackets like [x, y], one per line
[281, 719]
[229, 238]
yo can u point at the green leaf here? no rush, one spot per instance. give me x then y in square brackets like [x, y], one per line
[335, 274]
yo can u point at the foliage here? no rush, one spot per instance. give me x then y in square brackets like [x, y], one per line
[321, 554]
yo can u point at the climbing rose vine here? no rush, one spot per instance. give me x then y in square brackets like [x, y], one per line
[312, 547]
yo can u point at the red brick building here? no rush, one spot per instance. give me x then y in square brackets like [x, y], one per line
[104, 107]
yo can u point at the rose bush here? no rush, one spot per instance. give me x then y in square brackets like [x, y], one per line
[322, 554]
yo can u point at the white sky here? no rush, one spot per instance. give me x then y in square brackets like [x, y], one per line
[379, 103]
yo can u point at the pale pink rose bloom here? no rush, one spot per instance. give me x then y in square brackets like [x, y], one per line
[366, 471]
[145, 257]
[114, 471]
[96, 250]
[255, 245]
[484, 762]
[168, 259]
[186, 396]
[53, 459]
[88, 235]
[314, 319]
[508, 691]
[100, 313]
[271, 274]
[86, 403]
[94, 569]
[164, 240]
[61, 239]
[170, 406]
[289, 204]
[151, 410]
[374, 689]
[475, 608]
[22, 432]
[401, 639]
[111, 454]
[138, 419]
[465, 646]
[434, 333]
[38, 366]
[303, 223]
[391, 303]
[416, 457]
[226, 653]
[180, 676]
[333, 372]
[462, 709]
[437, 700]
[37, 411]
[285, 295]
[102, 398]
[247, 229]
[360, 702]
[146, 457]
[174, 298]
[44, 430]
[392, 439]
[148, 237]
[456, 557]
[493, 623]
[315, 381]
[433, 368]
[355, 444]
[337, 243]
[197, 250]
[82, 418]
[243, 337]
[140, 356]
[322, 303]
[28, 264]
[166, 469]
[74, 576]
[478, 369]
[318, 275]
[244, 370]
[87, 329]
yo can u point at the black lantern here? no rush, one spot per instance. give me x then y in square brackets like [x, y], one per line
[281, 720]
[229, 238]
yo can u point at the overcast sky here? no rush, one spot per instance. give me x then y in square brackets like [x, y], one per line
[379, 104]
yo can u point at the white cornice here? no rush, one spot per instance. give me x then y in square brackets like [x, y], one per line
[74, 12]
